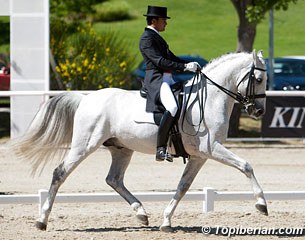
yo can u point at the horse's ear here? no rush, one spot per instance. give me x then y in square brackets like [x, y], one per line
[260, 54]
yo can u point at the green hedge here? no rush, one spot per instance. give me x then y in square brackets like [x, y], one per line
[89, 61]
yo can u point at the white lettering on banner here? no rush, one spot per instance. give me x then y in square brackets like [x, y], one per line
[278, 120]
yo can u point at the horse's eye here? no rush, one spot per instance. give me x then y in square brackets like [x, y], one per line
[259, 80]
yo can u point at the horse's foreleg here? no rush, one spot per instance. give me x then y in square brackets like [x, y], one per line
[223, 155]
[120, 161]
[192, 168]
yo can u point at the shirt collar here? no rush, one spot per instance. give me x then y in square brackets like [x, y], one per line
[150, 27]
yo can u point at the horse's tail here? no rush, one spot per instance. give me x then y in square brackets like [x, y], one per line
[50, 133]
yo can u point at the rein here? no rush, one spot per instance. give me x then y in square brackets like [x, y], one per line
[247, 100]
[250, 92]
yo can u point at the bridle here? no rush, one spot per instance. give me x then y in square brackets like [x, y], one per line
[250, 96]
[247, 100]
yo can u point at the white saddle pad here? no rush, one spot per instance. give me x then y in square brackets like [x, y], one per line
[141, 116]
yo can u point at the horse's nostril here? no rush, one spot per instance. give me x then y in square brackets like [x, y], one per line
[260, 112]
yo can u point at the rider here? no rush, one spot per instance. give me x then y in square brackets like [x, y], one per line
[160, 62]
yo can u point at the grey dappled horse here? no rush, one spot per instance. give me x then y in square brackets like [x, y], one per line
[107, 117]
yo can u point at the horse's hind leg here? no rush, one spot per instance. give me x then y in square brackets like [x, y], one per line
[60, 174]
[223, 155]
[120, 161]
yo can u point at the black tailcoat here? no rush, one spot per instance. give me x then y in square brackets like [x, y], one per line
[158, 59]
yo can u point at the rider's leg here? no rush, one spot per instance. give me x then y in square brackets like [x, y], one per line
[163, 131]
[169, 102]
[166, 95]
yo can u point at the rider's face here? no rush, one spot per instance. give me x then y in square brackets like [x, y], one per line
[160, 24]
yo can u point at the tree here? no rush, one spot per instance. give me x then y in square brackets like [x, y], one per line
[250, 13]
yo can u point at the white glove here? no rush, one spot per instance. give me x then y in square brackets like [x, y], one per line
[192, 66]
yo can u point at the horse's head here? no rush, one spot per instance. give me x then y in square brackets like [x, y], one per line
[252, 87]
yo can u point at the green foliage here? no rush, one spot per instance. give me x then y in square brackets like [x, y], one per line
[4, 59]
[83, 59]
[256, 12]
[89, 61]
[112, 11]
[73, 9]
[209, 28]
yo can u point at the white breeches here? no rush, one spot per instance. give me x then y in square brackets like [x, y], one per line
[166, 95]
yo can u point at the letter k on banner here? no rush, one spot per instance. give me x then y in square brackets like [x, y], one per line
[285, 117]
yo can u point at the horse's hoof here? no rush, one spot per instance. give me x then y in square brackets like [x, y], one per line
[41, 226]
[262, 208]
[167, 229]
[143, 219]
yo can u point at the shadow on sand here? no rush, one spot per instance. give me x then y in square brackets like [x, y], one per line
[223, 231]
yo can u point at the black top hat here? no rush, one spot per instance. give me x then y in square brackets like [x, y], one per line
[154, 11]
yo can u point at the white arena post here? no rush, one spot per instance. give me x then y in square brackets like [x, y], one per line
[209, 198]
[29, 49]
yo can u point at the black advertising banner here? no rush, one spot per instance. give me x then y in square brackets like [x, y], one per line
[284, 117]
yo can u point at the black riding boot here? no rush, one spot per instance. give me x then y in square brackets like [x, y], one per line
[165, 125]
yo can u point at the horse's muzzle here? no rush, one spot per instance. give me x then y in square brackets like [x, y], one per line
[255, 112]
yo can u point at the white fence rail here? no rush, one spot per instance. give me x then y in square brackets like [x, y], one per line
[36, 93]
[53, 93]
[208, 196]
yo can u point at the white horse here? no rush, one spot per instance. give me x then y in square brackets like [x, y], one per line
[107, 117]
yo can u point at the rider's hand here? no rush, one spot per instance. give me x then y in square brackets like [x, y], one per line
[192, 67]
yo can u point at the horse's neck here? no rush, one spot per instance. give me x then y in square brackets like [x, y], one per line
[227, 71]
[226, 74]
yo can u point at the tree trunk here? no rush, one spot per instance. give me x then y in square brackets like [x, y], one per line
[246, 31]
[246, 36]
